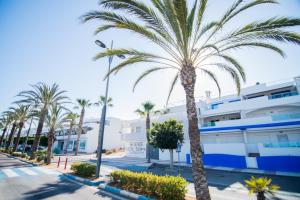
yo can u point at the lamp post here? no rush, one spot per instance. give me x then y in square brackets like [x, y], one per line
[103, 114]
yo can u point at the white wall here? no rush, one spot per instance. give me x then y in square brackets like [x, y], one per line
[230, 149]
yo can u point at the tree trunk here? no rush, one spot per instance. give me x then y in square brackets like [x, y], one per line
[80, 130]
[2, 137]
[21, 124]
[261, 196]
[11, 136]
[147, 135]
[69, 136]
[171, 158]
[188, 80]
[38, 133]
[51, 135]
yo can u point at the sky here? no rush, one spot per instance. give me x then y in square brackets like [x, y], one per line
[44, 41]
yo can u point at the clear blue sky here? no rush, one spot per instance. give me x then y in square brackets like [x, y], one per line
[45, 41]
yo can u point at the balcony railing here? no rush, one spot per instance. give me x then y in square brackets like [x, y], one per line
[280, 117]
[282, 95]
[209, 124]
[283, 145]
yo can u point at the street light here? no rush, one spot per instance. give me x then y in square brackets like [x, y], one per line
[103, 114]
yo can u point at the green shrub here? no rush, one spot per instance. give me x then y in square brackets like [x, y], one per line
[41, 155]
[84, 169]
[158, 187]
[19, 154]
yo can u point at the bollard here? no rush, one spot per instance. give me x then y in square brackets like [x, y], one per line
[58, 162]
[66, 163]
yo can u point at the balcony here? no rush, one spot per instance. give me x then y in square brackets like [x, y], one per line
[254, 120]
[254, 103]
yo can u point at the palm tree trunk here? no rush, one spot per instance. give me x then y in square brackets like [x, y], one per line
[171, 158]
[37, 137]
[68, 139]
[261, 196]
[80, 130]
[147, 135]
[21, 124]
[11, 136]
[2, 137]
[188, 80]
[51, 135]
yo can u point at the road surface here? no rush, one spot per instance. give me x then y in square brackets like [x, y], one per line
[21, 181]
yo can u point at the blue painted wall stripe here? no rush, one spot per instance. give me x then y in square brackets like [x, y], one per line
[225, 160]
[291, 123]
[279, 163]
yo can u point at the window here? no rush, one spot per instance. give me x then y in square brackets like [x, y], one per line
[282, 139]
[215, 105]
[235, 100]
[70, 145]
[138, 129]
[82, 145]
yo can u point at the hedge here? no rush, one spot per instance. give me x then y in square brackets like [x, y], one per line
[84, 169]
[41, 155]
[19, 154]
[157, 187]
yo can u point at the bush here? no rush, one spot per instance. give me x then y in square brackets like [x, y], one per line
[84, 169]
[19, 154]
[157, 187]
[41, 155]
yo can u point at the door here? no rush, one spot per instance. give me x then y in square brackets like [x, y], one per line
[154, 152]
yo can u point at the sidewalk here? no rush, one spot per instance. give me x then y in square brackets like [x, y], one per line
[252, 171]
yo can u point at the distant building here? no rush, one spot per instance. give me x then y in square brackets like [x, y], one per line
[88, 140]
[260, 128]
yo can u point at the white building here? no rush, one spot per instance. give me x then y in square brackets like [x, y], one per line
[88, 140]
[260, 128]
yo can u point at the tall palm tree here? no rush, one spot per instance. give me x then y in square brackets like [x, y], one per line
[13, 130]
[22, 114]
[190, 44]
[5, 121]
[83, 104]
[71, 118]
[43, 96]
[102, 101]
[54, 120]
[145, 111]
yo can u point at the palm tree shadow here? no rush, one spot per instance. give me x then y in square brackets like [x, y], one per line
[48, 190]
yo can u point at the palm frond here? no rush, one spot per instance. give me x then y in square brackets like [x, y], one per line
[144, 74]
[173, 83]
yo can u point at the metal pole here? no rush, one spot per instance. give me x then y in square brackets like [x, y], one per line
[28, 131]
[102, 120]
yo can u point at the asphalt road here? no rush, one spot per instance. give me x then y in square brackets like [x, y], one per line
[21, 181]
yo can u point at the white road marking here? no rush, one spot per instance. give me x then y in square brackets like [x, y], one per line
[10, 173]
[28, 171]
[46, 171]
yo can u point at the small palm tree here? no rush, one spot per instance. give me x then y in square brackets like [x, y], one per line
[54, 120]
[102, 101]
[83, 104]
[146, 110]
[22, 115]
[43, 96]
[71, 118]
[190, 44]
[260, 187]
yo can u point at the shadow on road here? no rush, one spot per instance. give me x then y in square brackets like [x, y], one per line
[48, 190]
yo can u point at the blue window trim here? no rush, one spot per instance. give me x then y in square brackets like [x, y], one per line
[234, 100]
[292, 123]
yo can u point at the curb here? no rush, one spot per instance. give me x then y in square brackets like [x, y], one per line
[83, 180]
[20, 159]
[123, 193]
